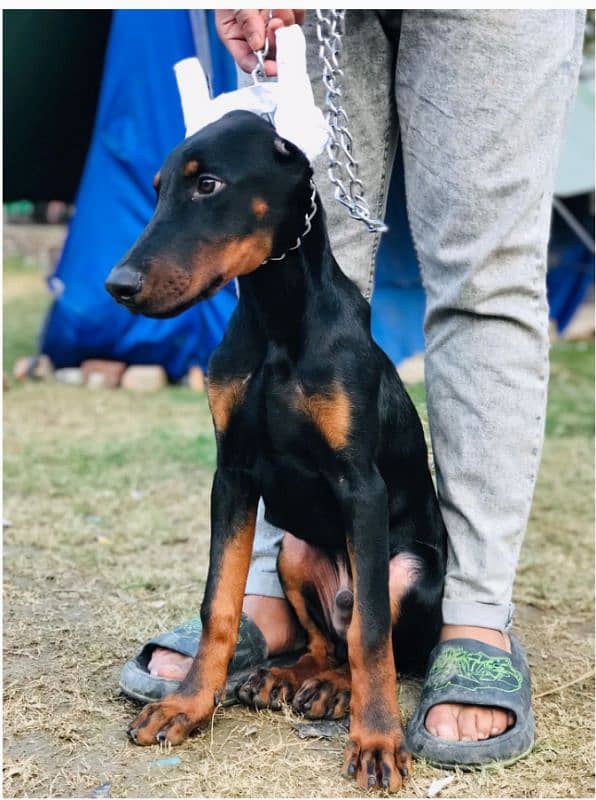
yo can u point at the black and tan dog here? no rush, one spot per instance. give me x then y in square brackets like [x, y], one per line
[310, 415]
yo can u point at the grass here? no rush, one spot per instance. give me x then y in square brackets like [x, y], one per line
[107, 496]
[25, 303]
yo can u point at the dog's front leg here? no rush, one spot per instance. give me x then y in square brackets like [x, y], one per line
[375, 755]
[233, 514]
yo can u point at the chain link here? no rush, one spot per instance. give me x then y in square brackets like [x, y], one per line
[343, 168]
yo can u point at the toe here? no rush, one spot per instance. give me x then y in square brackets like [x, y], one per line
[305, 695]
[484, 722]
[466, 724]
[168, 664]
[499, 722]
[441, 721]
[176, 731]
[341, 705]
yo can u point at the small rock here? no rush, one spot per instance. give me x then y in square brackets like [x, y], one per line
[170, 761]
[103, 790]
[322, 729]
[42, 368]
[37, 368]
[195, 379]
[72, 376]
[581, 327]
[140, 378]
[101, 374]
[437, 786]
[411, 370]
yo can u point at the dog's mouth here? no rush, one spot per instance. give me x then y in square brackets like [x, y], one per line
[161, 305]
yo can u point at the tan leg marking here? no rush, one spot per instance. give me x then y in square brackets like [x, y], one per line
[191, 707]
[375, 755]
[219, 637]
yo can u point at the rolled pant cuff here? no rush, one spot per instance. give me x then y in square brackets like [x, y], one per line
[482, 615]
[262, 581]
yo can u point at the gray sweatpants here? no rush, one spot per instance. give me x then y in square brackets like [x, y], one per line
[480, 100]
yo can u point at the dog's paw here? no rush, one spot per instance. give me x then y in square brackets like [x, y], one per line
[171, 720]
[266, 688]
[326, 696]
[377, 760]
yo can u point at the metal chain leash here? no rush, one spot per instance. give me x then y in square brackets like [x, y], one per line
[343, 167]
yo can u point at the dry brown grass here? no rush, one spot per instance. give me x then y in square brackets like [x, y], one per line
[107, 496]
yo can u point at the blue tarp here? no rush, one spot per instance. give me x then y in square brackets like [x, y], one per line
[139, 120]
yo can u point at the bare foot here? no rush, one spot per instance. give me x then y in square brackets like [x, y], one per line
[464, 722]
[272, 616]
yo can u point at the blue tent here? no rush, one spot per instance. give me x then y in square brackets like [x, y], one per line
[139, 120]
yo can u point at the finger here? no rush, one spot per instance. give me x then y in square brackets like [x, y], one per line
[270, 68]
[252, 25]
[274, 25]
[245, 59]
[287, 16]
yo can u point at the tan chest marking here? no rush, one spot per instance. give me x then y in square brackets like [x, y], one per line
[223, 399]
[330, 412]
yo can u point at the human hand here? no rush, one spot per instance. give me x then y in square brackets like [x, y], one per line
[245, 30]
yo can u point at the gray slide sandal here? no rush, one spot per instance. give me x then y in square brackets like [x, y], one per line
[137, 683]
[468, 671]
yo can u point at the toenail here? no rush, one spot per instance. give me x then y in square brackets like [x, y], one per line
[132, 734]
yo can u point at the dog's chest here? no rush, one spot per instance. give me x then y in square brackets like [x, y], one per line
[294, 415]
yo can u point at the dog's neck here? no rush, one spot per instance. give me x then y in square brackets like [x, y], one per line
[279, 294]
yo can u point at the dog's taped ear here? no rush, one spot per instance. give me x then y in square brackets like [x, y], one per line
[285, 148]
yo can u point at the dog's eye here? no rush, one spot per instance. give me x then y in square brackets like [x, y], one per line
[206, 184]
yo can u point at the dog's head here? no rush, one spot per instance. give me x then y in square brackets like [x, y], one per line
[227, 198]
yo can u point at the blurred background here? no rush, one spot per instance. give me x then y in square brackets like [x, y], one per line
[90, 113]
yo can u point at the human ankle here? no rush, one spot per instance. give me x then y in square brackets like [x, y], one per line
[492, 636]
[275, 619]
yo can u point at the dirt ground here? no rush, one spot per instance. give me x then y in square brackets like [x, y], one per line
[105, 543]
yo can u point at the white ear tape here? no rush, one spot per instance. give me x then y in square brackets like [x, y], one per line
[194, 94]
[297, 118]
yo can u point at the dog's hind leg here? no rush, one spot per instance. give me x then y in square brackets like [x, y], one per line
[312, 581]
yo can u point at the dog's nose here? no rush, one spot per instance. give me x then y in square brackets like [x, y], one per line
[124, 283]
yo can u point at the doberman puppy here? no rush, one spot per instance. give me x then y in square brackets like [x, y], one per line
[310, 415]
